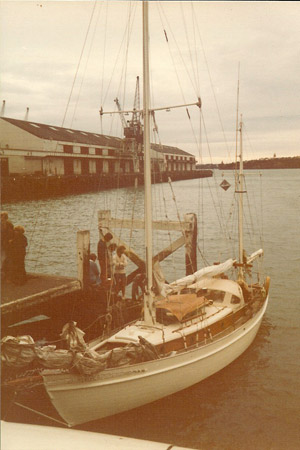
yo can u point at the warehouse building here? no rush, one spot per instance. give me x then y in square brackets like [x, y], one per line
[28, 148]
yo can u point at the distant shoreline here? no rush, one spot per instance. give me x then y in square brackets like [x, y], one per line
[265, 163]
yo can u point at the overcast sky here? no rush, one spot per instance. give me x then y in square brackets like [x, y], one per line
[66, 59]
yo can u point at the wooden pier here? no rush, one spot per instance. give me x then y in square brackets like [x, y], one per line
[38, 289]
[45, 303]
[30, 187]
[44, 300]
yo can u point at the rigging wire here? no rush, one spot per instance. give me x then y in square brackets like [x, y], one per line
[79, 62]
[221, 216]
[133, 210]
[32, 233]
[180, 55]
[196, 28]
[117, 59]
[126, 56]
[103, 64]
[127, 36]
[237, 127]
[164, 213]
[211, 84]
[249, 219]
[63, 121]
[200, 213]
[194, 84]
[259, 215]
[179, 218]
[197, 64]
[192, 59]
[124, 44]
[86, 64]
[41, 246]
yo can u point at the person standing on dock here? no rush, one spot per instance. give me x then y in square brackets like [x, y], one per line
[120, 262]
[7, 234]
[94, 271]
[103, 256]
[17, 252]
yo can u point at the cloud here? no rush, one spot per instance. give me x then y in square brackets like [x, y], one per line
[61, 57]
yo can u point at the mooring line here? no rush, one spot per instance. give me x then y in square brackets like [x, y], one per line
[41, 414]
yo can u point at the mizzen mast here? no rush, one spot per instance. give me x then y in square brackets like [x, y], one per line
[240, 190]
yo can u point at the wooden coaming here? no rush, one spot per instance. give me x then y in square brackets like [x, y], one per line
[203, 335]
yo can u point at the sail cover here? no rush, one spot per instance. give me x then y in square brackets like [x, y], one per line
[181, 305]
[210, 271]
[255, 255]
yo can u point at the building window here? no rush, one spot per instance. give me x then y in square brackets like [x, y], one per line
[84, 150]
[99, 165]
[4, 167]
[68, 149]
[85, 166]
[111, 166]
[68, 166]
[123, 165]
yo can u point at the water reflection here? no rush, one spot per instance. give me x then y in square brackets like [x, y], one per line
[255, 402]
[215, 401]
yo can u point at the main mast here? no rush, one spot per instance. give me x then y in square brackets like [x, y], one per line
[148, 299]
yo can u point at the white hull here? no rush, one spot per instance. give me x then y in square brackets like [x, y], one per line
[19, 436]
[80, 399]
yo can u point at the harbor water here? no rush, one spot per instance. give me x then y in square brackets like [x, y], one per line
[254, 403]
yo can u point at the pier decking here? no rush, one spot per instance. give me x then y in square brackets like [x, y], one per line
[41, 297]
[38, 289]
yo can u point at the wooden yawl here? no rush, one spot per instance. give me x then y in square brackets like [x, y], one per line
[191, 328]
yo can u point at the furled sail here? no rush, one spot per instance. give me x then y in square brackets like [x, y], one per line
[210, 271]
[255, 255]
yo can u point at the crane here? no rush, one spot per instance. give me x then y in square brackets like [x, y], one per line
[123, 120]
[135, 123]
[132, 128]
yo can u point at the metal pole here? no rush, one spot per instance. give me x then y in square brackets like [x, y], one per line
[148, 304]
[241, 206]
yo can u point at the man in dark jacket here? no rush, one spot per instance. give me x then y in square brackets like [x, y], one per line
[103, 255]
[7, 234]
[17, 252]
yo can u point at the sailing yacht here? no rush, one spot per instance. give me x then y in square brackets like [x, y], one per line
[191, 328]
